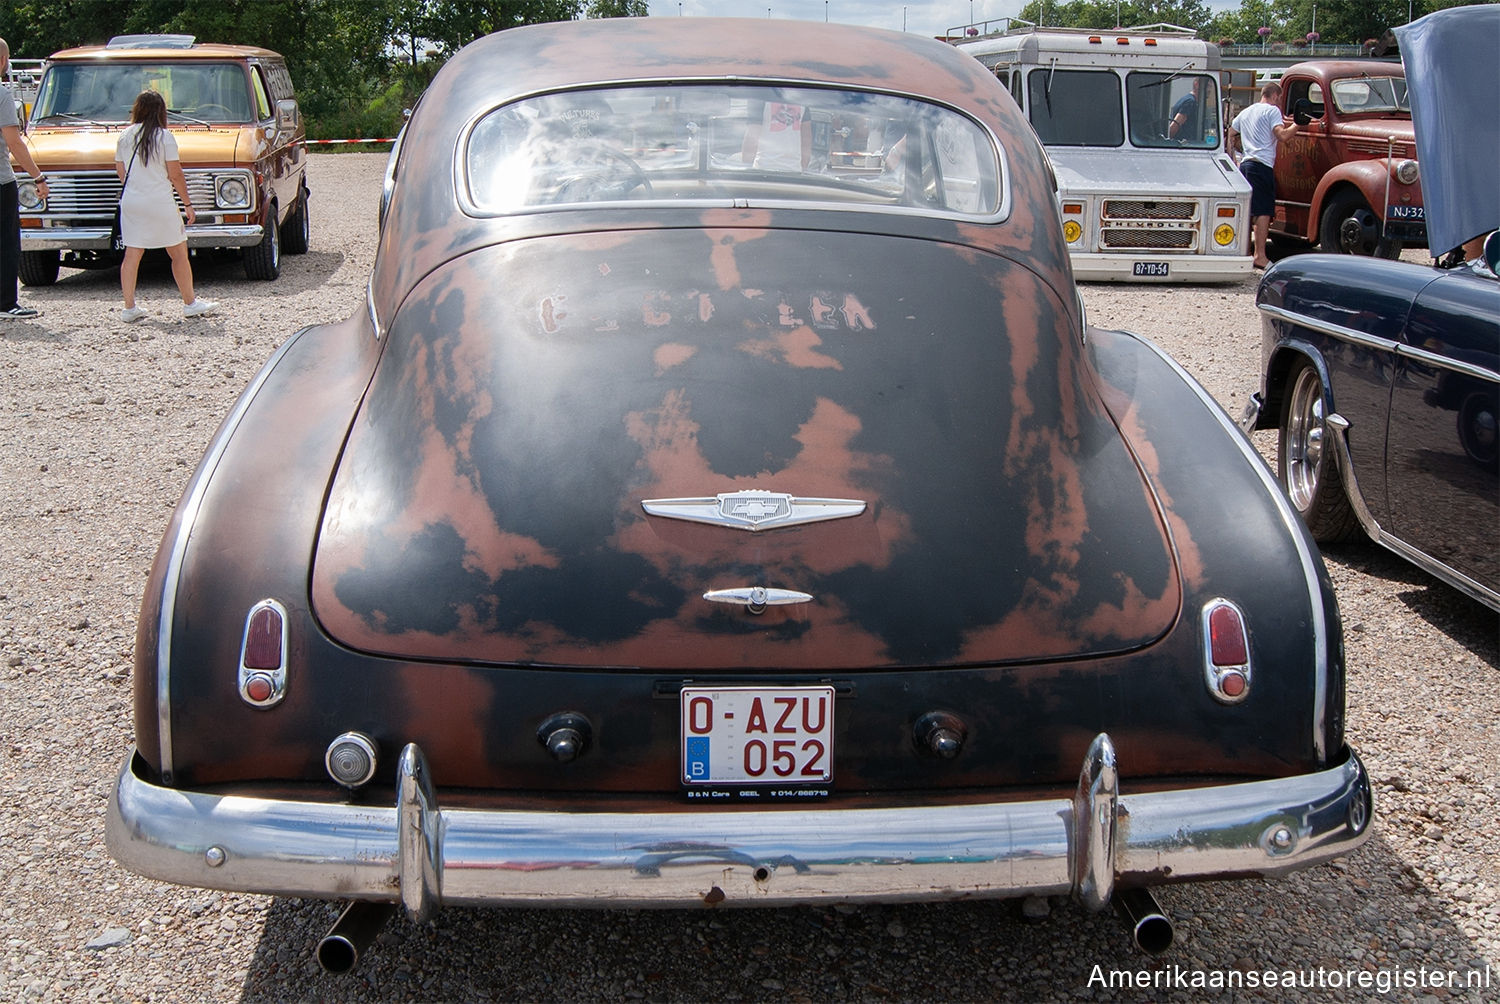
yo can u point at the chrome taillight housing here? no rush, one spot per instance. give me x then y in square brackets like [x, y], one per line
[1226, 651]
[262, 671]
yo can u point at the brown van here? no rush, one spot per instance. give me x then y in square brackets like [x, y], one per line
[239, 135]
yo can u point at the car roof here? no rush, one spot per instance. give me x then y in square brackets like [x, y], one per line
[578, 53]
[425, 221]
[1329, 69]
[207, 50]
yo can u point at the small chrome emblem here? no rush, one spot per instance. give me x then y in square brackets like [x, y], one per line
[753, 510]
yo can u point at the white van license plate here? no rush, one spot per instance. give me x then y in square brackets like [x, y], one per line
[773, 736]
[1152, 268]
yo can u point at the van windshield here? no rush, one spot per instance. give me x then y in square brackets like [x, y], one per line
[731, 142]
[1173, 110]
[103, 92]
[1076, 107]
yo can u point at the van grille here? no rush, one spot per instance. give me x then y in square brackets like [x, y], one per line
[91, 196]
[1142, 209]
[1137, 238]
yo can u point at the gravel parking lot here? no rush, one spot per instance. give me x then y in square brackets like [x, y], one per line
[101, 424]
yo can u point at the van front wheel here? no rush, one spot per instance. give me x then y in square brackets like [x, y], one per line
[263, 261]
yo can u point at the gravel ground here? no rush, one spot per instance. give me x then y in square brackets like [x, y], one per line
[100, 426]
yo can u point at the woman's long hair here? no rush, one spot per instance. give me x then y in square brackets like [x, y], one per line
[151, 112]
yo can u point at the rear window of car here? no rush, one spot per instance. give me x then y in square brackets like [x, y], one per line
[725, 143]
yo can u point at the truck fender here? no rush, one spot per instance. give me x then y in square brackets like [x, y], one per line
[1369, 176]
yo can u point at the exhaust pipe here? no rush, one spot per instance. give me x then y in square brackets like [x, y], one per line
[1149, 926]
[351, 934]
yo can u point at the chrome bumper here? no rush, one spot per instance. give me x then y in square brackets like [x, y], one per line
[424, 856]
[226, 235]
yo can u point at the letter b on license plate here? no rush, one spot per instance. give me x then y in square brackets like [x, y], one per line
[757, 735]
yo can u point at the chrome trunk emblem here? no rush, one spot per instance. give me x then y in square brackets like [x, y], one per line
[757, 598]
[753, 510]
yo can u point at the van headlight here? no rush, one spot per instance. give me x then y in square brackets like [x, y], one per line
[231, 192]
[30, 199]
[1406, 172]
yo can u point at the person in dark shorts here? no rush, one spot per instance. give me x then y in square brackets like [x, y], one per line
[1253, 136]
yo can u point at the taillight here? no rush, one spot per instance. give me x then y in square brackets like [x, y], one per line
[262, 670]
[1226, 651]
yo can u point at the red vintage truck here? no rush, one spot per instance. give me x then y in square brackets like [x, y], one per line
[1347, 181]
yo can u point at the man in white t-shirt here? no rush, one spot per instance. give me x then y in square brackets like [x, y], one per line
[1257, 130]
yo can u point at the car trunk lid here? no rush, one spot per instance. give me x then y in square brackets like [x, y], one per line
[533, 395]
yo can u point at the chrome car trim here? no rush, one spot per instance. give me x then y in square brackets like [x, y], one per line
[276, 677]
[1296, 532]
[764, 857]
[1447, 363]
[192, 501]
[1338, 429]
[757, 596]
[1329, 328]
[1384, 344]
[1096, 809]
[97, 238]
[753, 509]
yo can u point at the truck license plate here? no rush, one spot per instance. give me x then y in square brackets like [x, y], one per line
[1152, 268]
[769, 739]
[1399, 212]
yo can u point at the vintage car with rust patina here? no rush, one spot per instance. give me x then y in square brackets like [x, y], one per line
[1383, 377]
[723, 501]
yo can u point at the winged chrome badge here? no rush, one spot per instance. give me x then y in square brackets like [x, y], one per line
[753, 510]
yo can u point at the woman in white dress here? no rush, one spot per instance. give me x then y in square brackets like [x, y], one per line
[147, 163]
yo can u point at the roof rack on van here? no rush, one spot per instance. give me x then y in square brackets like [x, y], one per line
[151, 42]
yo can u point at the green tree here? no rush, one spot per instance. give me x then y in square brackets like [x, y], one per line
[1110, 14]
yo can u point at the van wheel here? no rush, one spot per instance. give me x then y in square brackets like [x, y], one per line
[296, 232]
[39, 268]
[1350, 226]
[263, 261]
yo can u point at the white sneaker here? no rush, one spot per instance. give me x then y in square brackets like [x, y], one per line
[132, 314]
[199, 307]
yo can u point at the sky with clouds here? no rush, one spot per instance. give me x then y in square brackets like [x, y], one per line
[927, 17]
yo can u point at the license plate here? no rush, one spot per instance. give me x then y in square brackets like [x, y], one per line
[1408, 213]
[1152, 268]
[757, 736]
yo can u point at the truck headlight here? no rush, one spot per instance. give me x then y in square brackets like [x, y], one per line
[1223, 235]
[30, 199]
[231, 193]
[1406, 172]
[1072, 231]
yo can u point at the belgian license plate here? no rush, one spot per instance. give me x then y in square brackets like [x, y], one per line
[1408, 213]
[757, 741]
[1152, 268]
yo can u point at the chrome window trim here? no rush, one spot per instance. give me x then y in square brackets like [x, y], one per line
[1295, 531]
[469, 208]
[192, 502]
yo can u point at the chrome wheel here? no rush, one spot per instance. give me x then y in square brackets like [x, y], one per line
[1303, 441]
[1308, 469]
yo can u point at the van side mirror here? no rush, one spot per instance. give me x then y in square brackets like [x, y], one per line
[286, 114]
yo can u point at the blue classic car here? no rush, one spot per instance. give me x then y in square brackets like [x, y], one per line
[723, 502]
[1383, 377]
